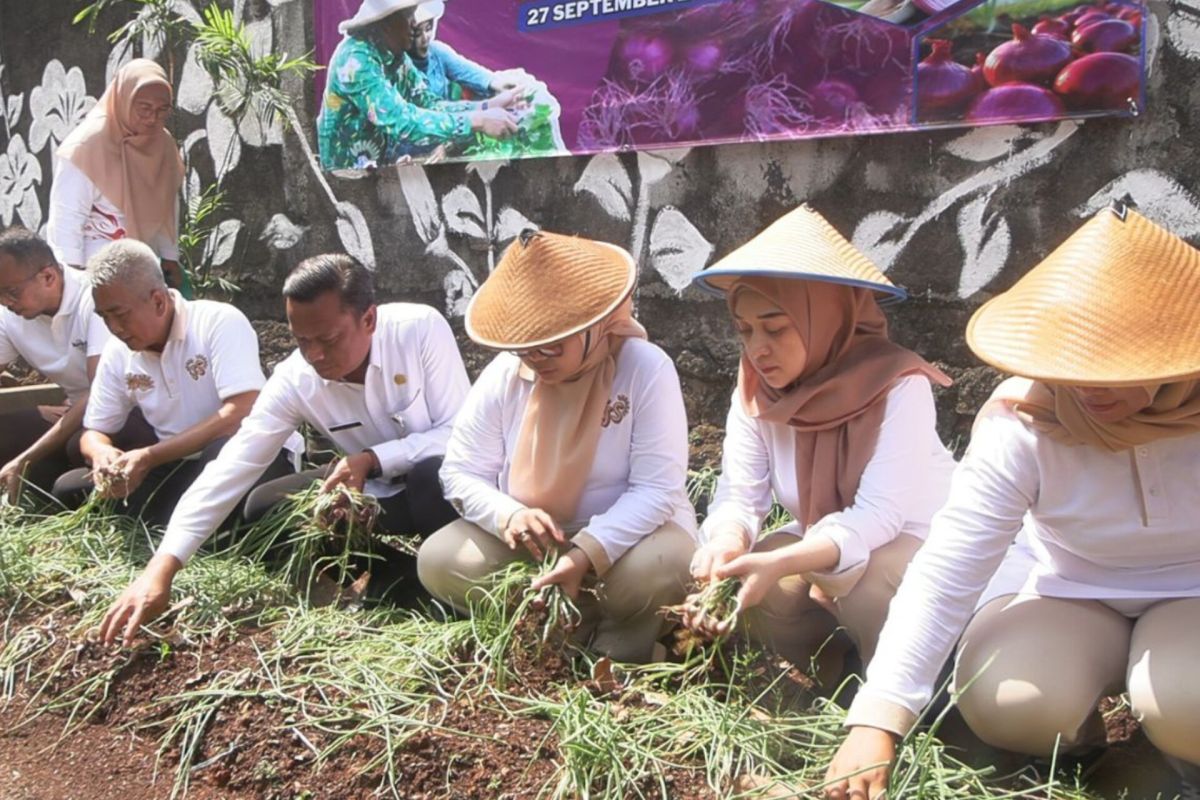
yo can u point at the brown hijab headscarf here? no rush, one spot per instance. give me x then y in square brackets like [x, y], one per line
[561, 427]
[140, 174]
[836, 406]
[1055, 411]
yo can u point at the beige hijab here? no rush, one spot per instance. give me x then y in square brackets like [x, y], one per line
[140, 174]
[561, 427]
[836, 406]
[1055, 411]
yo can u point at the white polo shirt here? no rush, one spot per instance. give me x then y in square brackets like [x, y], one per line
[637, 480]
[58, 346]
[211, 355]
[403, 411]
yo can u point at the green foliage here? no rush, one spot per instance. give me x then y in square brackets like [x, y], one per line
[534, 136]
[196, 225]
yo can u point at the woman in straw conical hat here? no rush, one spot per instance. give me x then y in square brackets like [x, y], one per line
[571, 448]
[118, 174]
[1093, 457]
[833, 421]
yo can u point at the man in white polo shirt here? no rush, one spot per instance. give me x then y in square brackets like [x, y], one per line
[48, 320]
[190, 367]
[384, 383]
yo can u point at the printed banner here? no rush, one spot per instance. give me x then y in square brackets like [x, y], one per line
[488, 79]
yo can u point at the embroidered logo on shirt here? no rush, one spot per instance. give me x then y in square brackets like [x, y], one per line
[196, 367]
[79, 344]
[399, 380]
[138, 382]
[614, 412]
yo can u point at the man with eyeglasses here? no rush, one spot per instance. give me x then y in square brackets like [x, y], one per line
[48, 320]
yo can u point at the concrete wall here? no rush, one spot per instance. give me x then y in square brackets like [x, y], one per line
[954, 215]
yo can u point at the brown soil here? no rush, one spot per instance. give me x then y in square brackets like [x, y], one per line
[275, 342]
[18, 373]
[704, 446]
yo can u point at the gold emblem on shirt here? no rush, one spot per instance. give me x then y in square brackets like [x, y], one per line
[399, 379]
[138, 382]
[615, 411]
[196, 367]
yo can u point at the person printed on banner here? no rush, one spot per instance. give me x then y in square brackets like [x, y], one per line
[378, 109]
[834, 422]
[382, 382]
[48, 320]
[571, 448]
[448, 73]
[1066, 562]
[119, 173]
[190, 367]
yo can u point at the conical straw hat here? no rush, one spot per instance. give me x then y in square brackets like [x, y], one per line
[546, 287]
[800, 245]
[1116, 304]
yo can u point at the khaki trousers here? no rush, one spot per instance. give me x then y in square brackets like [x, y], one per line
[621, 620]
[1033, 669]
[792, 624]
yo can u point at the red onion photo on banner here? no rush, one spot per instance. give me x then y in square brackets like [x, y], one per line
[460, 80]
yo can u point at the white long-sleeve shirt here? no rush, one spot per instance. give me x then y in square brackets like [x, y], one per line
[82, 220]
[60, 345]
[403, 412]
[903, 484]
[637, 480]
[1031, 515]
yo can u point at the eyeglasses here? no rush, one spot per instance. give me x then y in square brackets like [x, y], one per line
[148, 111]
[550, 351]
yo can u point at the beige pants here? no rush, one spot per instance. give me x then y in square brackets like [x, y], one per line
[622, 620]
[1034, 669]
[792, 624]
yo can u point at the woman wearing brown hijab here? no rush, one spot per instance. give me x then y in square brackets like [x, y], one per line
[1068, 554]
[119, 173]
[835, 423]
[574, 439]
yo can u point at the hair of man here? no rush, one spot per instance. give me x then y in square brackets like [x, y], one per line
[332, 272]
[127, 262]
[30, 251]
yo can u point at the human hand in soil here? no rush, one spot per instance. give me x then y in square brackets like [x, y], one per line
[10, 477]
[135, 465]
[724, 546]
[533, 529]
[860, 769]
[568, 573]
[141, 602]
[758, 571]
[352, 471]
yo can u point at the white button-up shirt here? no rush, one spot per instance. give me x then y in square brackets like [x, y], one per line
[903, 484]
[211, 355]
[403, 412]
[637, 480]
[82, 220]
[1031, 515]
[58, 346]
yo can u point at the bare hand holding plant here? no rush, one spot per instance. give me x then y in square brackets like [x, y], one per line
[533, 529]
[10, 477]
[134, 465]
[724, 546]
[351, 472]
[567, 573]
